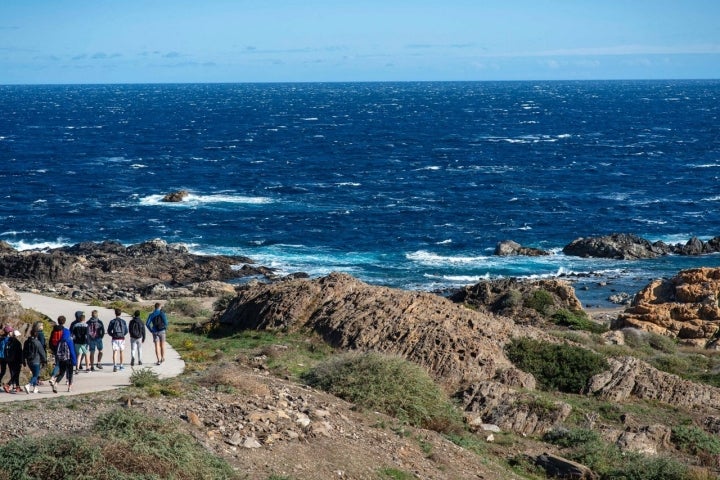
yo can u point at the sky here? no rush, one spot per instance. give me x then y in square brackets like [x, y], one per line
[181, 41]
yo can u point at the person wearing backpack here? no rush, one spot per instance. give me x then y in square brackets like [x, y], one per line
[65, 359]
[117, 329]
[79, 333]
[157, 324]
[14, 358]
[96, 332]
[5, 336]
[137, 337]
[55, 337]
[33, 357]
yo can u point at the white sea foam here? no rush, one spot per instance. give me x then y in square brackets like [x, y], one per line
[137, 166]
[196, 200]
[311, 119]
[349, 184]
[706, 165]
[22, 245]
[424, 257]
[444, 242]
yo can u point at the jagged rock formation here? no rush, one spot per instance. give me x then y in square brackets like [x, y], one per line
[512, 298]
[110, 270]
[510, 248]
[685, 307]
[623, 246]
[506, 407]
[457, 345]
[630, 377]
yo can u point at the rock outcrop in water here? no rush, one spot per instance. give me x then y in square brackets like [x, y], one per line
[508, 248]
[623, 246]
[684, 307]
[174, 197]
[110, 270]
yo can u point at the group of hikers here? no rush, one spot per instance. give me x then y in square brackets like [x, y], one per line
[73, 348]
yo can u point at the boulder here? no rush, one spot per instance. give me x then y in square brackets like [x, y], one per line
[10, 304]
[683, 307]
[510, 248]
[556, 466]
[177, 196]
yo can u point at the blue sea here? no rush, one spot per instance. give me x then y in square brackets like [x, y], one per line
[409, 185]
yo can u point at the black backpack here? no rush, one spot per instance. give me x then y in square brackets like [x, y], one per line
[80, 334]
[135, 328]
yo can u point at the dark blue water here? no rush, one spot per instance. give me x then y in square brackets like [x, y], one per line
[402, 184]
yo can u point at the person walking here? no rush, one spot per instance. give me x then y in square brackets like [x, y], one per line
[5, 336]
[65, 357]
[96, 332]
[157, 324]
[137, 338]
[33, 357]
[14, 357]
[56, 335]
[117, 329]
[80, 338]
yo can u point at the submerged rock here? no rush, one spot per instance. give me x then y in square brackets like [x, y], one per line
[177, 196]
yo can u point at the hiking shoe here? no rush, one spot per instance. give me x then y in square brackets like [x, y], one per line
[158, 363]
[92, 369]
[54, 387]
[132, 360]
[122, 367]
[99, 366]
[139, 363]
[27, 388]
[35, 390]
[115, 368]
[6, 388]
[69, 388]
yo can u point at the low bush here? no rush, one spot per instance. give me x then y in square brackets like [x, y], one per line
[694, 440]
[577, 321]
[388, 384]
[144, 377]
[540, 301]
[150, 448]
[555, 366]
[188, 307]
[511, 299]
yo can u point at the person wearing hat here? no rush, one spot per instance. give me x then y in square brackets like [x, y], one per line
[4, 337]
[14, 358]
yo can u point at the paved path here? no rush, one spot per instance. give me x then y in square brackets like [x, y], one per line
[105, 379]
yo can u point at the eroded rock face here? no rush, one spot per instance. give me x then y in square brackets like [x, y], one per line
[630, 377]
[95, 269]
[510, 297]
[685, 307]
[457, 345]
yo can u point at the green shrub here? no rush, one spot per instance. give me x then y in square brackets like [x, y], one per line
[609, 462]
[694, 440]
[555, 366]
[150, 448]
[662, 343]
[577, 321]
[540, 301]
[671, 364]
[511, 299]
[144, 377]
[388, 384]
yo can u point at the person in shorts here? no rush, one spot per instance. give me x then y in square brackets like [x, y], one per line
[79, 333]
[118, 329]
[96, 332]
[157, 324]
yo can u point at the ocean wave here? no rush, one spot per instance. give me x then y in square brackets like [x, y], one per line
[196, 200]
[22, 245]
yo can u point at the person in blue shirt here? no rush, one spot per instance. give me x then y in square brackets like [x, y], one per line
[157, 324]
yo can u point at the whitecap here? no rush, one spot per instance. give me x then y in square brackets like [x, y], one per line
[311, 119]
[22, 245]
[137, 166]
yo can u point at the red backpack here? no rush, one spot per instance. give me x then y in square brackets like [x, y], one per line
[55, 337]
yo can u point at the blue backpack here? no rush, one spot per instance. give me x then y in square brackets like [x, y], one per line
[3, 344]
